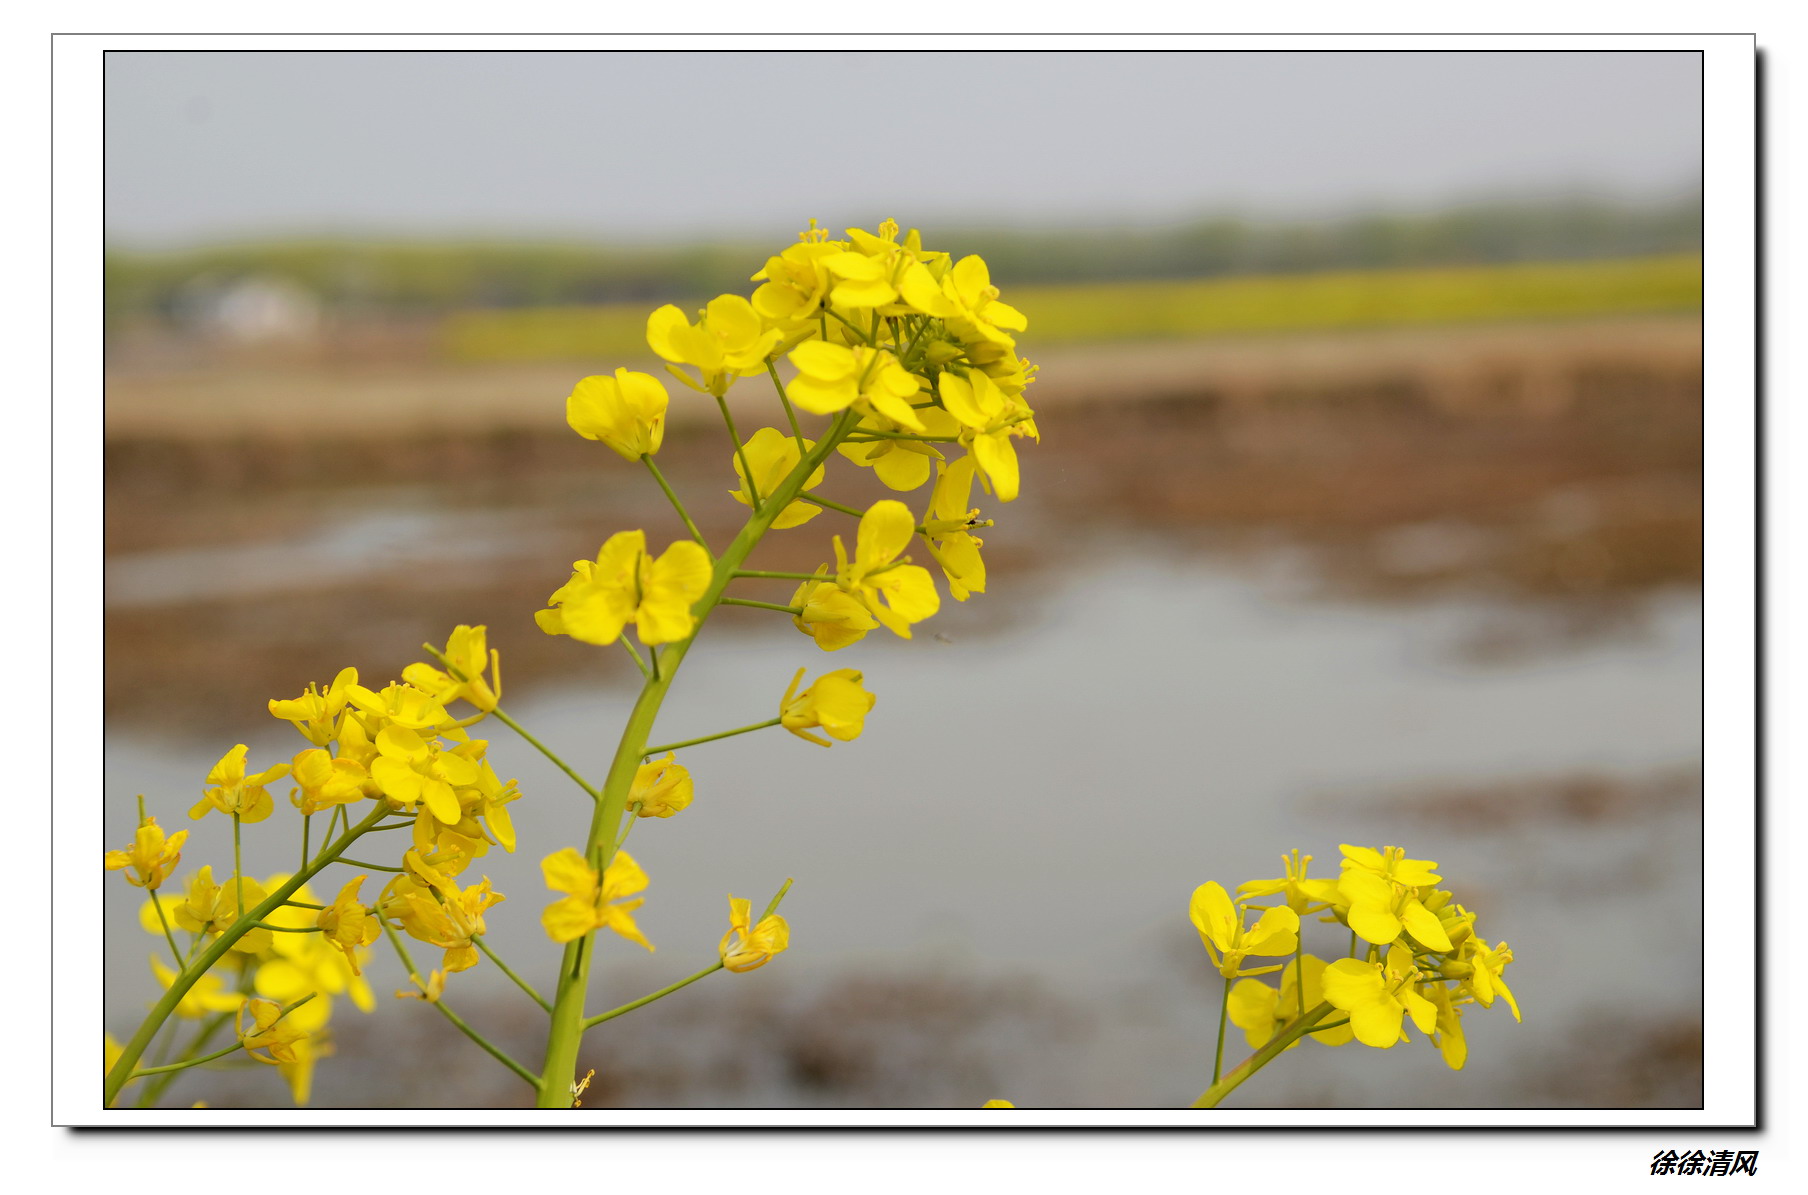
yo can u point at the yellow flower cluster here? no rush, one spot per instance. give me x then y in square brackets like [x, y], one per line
[909, 355]
[398, 747]
[1414, 954]
[283, 965]
[908, 351]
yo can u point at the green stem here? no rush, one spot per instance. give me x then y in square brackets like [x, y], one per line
[154, 1090]
[708, 738]
[372, 866]
[1299, 971]
[565, 1034]
[785, 399]
[234, 1048]
[1261, 1058]
[747, 572]
[853, 327]
[289, 929]
[157, 903]
[457, 1021]
[600, 1017]
[547, 751]
[307, 819]
[502, 717]
[504, 968]
[238, 870]
[753, 489]
[638, 662]
[182, 1066]
[833, 505]
[679, 506]
[872, 433]
[160, 1012]
[791, 610]
[1223, 1016]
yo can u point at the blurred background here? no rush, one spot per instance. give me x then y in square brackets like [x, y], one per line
[1367, 510]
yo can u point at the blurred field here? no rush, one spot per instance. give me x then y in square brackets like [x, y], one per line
[1162, 309]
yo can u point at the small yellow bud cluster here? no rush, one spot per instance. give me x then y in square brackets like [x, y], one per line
[1423, 960]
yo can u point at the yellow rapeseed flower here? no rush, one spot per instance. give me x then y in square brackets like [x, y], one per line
[234, 792]
[949, 525]
[1378, 995]
[272, 1037]
[314, 713]
[412, 770]
[347, 925]
[625, 585]
[836, 703]
[834, 377]
[626, 412]
[748, 947]
[151, 856]
[592, 901]
[901, 465]
[989, 419]
[1300, 893]
[771, 454]
[831, 616]
[728, 341]
[1261, 1011]
[468, 652]
[661, 787]
[325, 781]
[896, 593]
[1220, 926]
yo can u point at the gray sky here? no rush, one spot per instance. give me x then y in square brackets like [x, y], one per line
[663, 146]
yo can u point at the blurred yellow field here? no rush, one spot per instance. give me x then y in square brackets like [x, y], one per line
[1170, 310]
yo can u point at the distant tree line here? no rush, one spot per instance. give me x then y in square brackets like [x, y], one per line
[353, 277]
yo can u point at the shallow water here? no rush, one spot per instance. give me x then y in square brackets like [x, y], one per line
[1039, 800]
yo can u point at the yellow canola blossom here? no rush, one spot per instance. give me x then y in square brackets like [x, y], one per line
[413, 770]
[836, 703]
[748, 947]
[325, 781]
[834, 377]
[316, 714]
[235, 792]
[626, 585]
[591, 901]
[729, 341]
[469, 654]
[831, 616]
[626, 412]
[151, 857]
[397, 704]
[896, 593]
[1228, 941]
[1261, 1011]
[272, 1037]
[661, 787]
[900, 464]
[771, 455]
[1300, 893]
[949, 526]
[347, 925]
[1378, 996]
[989, 420]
